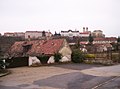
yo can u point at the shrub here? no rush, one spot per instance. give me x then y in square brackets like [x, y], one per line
[16, 62]
[89, 56]
[43, 59]
[77, 56]
[57, 57]
[2, 63]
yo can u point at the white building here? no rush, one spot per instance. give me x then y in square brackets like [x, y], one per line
[19, 34]
[15, 34]
[37, 34]
[85, 32]
[106, 40]
[9, 34]
[70, 33]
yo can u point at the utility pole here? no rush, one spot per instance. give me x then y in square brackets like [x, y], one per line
[118, 44]
[119, 49]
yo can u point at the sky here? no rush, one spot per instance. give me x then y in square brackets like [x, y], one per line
[57, 15]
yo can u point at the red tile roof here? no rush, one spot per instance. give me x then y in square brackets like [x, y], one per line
[83, 42]
[106, 45]
[38, 47]
[106, 39]
[84, 32]
[33, 31]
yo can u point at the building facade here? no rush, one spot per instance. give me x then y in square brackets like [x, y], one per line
[105, 40]
[9, 34]
[19, 34]
[37, 34]
[98, 33]
[85, 32]
[15, 34]
[70, 33]
[36, 48]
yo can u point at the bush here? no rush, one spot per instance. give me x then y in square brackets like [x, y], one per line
[57, 57]
[2, 63]
[43, 59]
[16, 62]
[102, 62]
[77, 56]
[89, 56]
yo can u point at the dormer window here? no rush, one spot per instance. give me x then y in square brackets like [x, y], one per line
[26, 47]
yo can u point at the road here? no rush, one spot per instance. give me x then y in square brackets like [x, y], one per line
[64, 76]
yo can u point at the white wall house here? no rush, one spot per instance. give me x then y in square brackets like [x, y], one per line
[37, 48]
[33, 34]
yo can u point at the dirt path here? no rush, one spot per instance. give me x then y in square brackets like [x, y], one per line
[67, 76]
[26, 75]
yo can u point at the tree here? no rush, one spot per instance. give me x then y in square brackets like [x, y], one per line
[0, 51]
[57, 57]
[43, 34]
[115, 46]
[77, 56]
[55, 33]
[3, 63]
[77, 45]
[118, 39]
[90, 39]
[118, 43]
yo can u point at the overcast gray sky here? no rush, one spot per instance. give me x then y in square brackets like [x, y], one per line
[57, 15]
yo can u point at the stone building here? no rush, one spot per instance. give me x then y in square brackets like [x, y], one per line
[36, 48]
[98, 33]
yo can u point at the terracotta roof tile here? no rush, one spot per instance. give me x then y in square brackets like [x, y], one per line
[106, 39]
[38, 47]
[84, 32]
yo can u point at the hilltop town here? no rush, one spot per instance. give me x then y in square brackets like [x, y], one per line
[65, 56]
[98, 35]
[71, 36]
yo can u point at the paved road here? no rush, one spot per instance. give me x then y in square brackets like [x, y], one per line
[65, 76]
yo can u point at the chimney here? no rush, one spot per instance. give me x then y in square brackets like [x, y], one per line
[48, 36]
[29, 38]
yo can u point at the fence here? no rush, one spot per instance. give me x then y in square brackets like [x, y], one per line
[109, 55]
